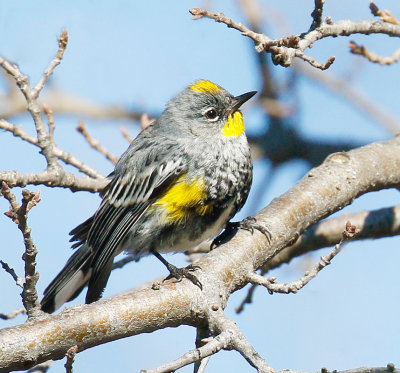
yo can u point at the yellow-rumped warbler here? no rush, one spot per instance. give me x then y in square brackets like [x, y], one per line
[179, 183]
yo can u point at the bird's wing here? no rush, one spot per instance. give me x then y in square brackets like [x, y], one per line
[145, 171]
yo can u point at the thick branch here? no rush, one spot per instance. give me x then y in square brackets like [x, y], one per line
[324, 190]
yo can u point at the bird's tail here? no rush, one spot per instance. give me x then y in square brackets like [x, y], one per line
[70, 281]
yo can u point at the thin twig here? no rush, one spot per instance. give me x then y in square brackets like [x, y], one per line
[146, 121]
[12, 314]
[70, 359]
[388, 369]
[314, 62]
[211, 347]
[62, 44]
[373, 57]
[18, 131]
[19, 215]
[126, 135]
[293, 287]
[18, 280]
[263, 40]
[384, 15]
[95, 144]
[50, 121]
[379, 223]
[317, 14]
[35, 110]
[66, 157]
[45, 140]
[282, 50]
[201, 336]
[227, 337]
[248, 299]
[236, 340]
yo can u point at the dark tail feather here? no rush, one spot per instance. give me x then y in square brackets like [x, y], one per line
[98, 283]
[80, 233]
[70, 281]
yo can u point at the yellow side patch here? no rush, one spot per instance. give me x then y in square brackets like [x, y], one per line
[234, 126]
[204, 86]
[184, 197]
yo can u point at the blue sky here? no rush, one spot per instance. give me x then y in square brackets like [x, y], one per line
[138, 55]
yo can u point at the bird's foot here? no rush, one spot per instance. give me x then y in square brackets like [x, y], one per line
[250, 223]
[180, 273]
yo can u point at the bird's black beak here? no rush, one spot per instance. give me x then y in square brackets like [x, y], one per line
[238, 101]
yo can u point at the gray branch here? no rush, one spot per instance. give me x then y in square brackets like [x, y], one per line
[324, 190]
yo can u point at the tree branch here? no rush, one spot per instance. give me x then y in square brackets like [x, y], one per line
[371, 224]
[293, 287]
[70, 358]
[62, 44]
[66, 157]
[54, 175]
[388, 369]
[18, 280]
[53, 179]
[34, 109]
[12, 314]
[384, 15]
[95, 144]
[324, 190]
[373, 57]
[284, 50]
[317, 14]
[19, 214]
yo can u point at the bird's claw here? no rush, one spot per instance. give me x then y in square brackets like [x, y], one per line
[250, 223]
[179, 273]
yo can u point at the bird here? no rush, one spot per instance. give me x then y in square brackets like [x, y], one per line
[179, 183]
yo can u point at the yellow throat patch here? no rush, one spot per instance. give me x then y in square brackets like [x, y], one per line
[234, 126]
[184, 197]
[204, 86]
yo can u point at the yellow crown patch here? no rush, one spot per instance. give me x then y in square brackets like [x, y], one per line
[205, 86]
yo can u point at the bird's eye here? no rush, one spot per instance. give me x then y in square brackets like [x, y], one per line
[211, 115]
